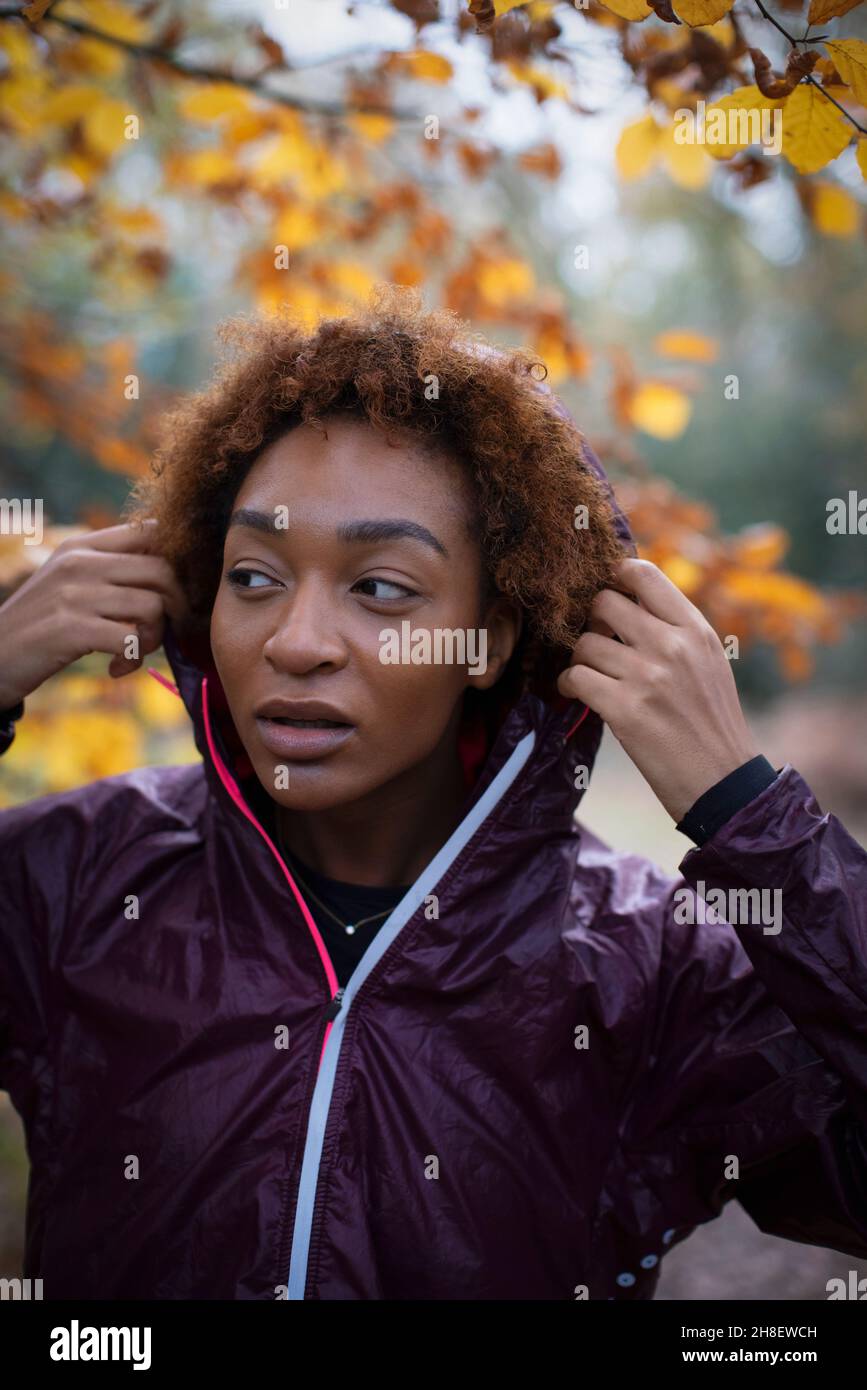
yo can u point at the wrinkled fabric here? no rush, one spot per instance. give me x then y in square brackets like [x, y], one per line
[152, 948]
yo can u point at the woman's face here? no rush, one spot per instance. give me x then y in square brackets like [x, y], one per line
[332, 541]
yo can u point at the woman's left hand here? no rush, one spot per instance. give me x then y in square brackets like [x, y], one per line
[666, 690]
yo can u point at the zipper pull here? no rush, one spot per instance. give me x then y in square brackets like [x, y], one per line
[336, 1005]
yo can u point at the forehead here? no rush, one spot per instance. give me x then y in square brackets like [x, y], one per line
[351, 462]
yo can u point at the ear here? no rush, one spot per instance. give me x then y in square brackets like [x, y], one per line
[503, 622]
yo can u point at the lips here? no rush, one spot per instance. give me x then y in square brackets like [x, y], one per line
[302, 730]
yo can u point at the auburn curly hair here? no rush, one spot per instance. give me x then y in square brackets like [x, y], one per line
[401, 368]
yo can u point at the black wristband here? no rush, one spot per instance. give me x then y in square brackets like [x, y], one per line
[717, 805]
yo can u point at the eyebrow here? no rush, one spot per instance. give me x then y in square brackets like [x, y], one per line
[352, 532]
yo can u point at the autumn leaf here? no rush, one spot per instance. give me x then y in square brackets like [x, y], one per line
[659, 409]
[681, 342]
[373, 126]
[834, 211]
[699, 12]
[35, 10]
[814, 132]
[544, 84]
[104, 125]
[638, 148]
[69, 104]
[214, 102]
[688, 165]
[850, 60]
[822, 10]
[861, 156]
[501, 281]
[760, 547]
[113, 17]
[628, 9]
[743, 102]
[425, 65]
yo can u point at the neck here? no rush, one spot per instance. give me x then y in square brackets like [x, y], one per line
[386, 838]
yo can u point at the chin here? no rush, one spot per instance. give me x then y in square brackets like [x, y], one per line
[311, 787]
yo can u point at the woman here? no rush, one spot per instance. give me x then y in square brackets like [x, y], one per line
[353, 1009]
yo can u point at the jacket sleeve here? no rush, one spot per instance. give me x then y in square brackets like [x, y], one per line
[755, 1078]
[32, 853]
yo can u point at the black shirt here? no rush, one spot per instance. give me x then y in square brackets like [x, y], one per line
[351, 902]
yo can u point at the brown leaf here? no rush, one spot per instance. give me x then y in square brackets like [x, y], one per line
[801, 64]
[35, 10]
[770, 83]
[662, 8]
[484, 14]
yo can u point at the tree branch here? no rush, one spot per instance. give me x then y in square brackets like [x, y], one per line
[155, 54]
[809, 78]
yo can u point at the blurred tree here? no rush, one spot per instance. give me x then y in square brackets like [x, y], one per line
[162, 160]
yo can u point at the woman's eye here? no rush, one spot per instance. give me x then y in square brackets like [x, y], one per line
[388, 589]
[244, 578]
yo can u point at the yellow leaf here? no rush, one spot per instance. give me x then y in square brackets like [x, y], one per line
[213, 102]
[822, 10]
[850, 60]
[69, 104]
[297, 227]
[744, 121]
[688, 165]
[427, 66]
[814, 132]
[210, 166]
[698, 12]
[834, 211]
[500, 282]
[784, 593]
[16, 43]
[135, 221]
[861, 156]
[760, 547]
[659, 409]
[104, 125]
[96, 58]
[21, 97]
[637, 148]
[544, 83]
[371, 125]
[350, 278]
[723, 32]
[112, 17]
[686, 574]
[628, 9]
[682, 342]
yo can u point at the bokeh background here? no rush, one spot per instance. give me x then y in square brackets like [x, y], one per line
[166, 165]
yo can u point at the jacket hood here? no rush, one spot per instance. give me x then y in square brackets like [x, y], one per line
[566, 733]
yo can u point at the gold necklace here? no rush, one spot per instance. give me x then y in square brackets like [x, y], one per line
[350, 928]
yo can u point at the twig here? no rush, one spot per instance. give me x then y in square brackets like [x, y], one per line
[208, 74]
[809, 78]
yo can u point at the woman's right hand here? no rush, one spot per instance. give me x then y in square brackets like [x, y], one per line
[95, 592]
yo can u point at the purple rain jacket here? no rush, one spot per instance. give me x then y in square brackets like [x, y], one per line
[538, 1080]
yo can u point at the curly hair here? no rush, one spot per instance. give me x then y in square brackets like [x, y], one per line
[403, 369]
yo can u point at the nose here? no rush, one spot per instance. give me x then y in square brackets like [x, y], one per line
[306, 637]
